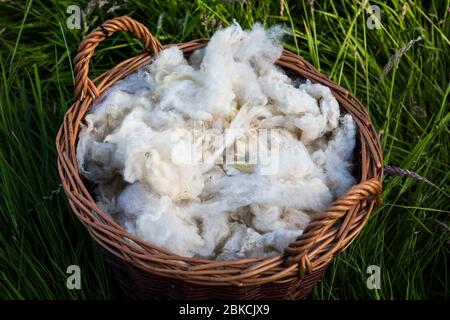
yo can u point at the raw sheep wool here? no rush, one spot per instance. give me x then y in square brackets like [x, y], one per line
[171, 149]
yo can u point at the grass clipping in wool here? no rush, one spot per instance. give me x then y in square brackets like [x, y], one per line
[156, 146]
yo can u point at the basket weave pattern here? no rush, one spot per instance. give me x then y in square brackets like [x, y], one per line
[144, 270]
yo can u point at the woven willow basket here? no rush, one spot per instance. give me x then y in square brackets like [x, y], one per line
[144, 270]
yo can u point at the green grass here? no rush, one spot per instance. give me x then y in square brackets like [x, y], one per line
[407, 236]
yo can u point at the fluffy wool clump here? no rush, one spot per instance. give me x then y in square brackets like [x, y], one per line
[178, 156]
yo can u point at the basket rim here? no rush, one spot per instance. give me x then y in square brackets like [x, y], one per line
[313, 250]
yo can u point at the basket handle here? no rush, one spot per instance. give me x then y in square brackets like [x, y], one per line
[317, 246]
[83, 84]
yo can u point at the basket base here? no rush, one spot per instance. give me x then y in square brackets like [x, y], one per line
[136, 284]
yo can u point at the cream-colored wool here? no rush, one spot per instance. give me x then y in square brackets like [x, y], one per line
[169, 149]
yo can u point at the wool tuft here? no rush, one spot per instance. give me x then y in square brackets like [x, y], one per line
[221, 155]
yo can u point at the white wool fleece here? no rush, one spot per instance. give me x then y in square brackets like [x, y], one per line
[178, 155]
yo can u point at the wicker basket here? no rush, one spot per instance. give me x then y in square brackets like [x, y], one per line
[144, 270]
